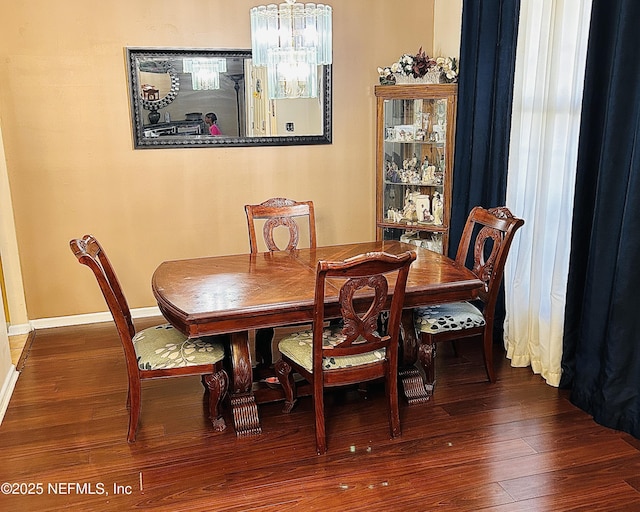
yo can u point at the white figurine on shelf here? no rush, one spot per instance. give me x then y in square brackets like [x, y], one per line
[425, 120]
[409, 211]
[425, 166]
[438, 133]
[428, 172]
[394, 215]
[437, 207]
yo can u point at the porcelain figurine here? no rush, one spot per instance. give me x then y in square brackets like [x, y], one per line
[437, 207]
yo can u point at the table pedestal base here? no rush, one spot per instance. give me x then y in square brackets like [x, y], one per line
[245, 415]
[243, 404]
[414, 387]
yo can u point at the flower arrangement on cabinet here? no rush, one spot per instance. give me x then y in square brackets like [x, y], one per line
[420, 68]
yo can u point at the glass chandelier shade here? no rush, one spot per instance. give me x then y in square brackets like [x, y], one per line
[205, 73]
[291, 40]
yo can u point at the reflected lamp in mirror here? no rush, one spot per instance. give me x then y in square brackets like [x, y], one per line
[293, 42]
[207, 97]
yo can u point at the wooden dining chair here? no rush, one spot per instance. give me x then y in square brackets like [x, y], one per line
[292, 216]
[488, 235]
[338, 355]
[156, 352]
[276, 212]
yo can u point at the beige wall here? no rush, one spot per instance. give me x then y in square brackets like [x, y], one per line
[446, 27]
[15, 307]
[64, 111]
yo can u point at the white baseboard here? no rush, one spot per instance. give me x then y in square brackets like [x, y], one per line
[60, 321]
[7, 390]
[90, 318]
[15, 330]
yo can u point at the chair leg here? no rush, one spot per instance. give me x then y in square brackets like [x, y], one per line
[394, 407]
[133, 400]
[487, 352]
[217, 383]
[264, 338]
[427, 358]
[318, 405]
[285, 376]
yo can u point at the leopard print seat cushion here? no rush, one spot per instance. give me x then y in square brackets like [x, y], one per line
[162, 347]
[447, 317]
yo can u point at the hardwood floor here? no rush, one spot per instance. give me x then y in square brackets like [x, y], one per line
[511, 446]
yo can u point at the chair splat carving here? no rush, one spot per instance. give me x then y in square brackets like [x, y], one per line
[276, 212]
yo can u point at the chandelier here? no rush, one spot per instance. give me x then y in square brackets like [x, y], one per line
[291, 40]
[205, 72]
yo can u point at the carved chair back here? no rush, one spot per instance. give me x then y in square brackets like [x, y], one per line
[89, 252]
[484, 246]
[276, 212]
[363, 296]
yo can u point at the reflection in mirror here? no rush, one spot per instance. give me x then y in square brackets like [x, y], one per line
[194, 98]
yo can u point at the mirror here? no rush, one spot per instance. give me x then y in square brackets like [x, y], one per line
[216, 98]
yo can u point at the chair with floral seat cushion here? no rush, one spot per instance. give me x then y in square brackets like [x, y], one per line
[488, 234]
[278, 214]
[156, 352]
[335, 355]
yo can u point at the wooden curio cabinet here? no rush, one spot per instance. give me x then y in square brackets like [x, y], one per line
[415, 137]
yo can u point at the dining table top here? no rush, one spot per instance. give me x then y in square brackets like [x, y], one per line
[231, 293]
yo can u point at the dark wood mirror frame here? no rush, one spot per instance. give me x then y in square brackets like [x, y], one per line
[146, 133]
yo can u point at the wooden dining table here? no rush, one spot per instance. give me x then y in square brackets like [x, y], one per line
[237, 293]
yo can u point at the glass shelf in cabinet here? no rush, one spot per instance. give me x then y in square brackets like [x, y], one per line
[440, 144]
[414, 225]
[421, 184]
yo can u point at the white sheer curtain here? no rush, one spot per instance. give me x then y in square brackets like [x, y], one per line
[550, 58]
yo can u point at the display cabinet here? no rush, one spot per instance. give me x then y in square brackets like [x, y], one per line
[415, 141]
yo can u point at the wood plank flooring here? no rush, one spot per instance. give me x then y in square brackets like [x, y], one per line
[517, 445]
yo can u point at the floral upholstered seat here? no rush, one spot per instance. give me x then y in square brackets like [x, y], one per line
[162, 346]
[298, 346]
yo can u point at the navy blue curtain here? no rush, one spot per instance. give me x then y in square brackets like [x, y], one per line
[601, 346]
[485, 94]
[483, 125]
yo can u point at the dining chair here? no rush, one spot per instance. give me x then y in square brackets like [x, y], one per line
[156, 352]
[280, 211]
[484, 246]
[354, 352]
[292, 216]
